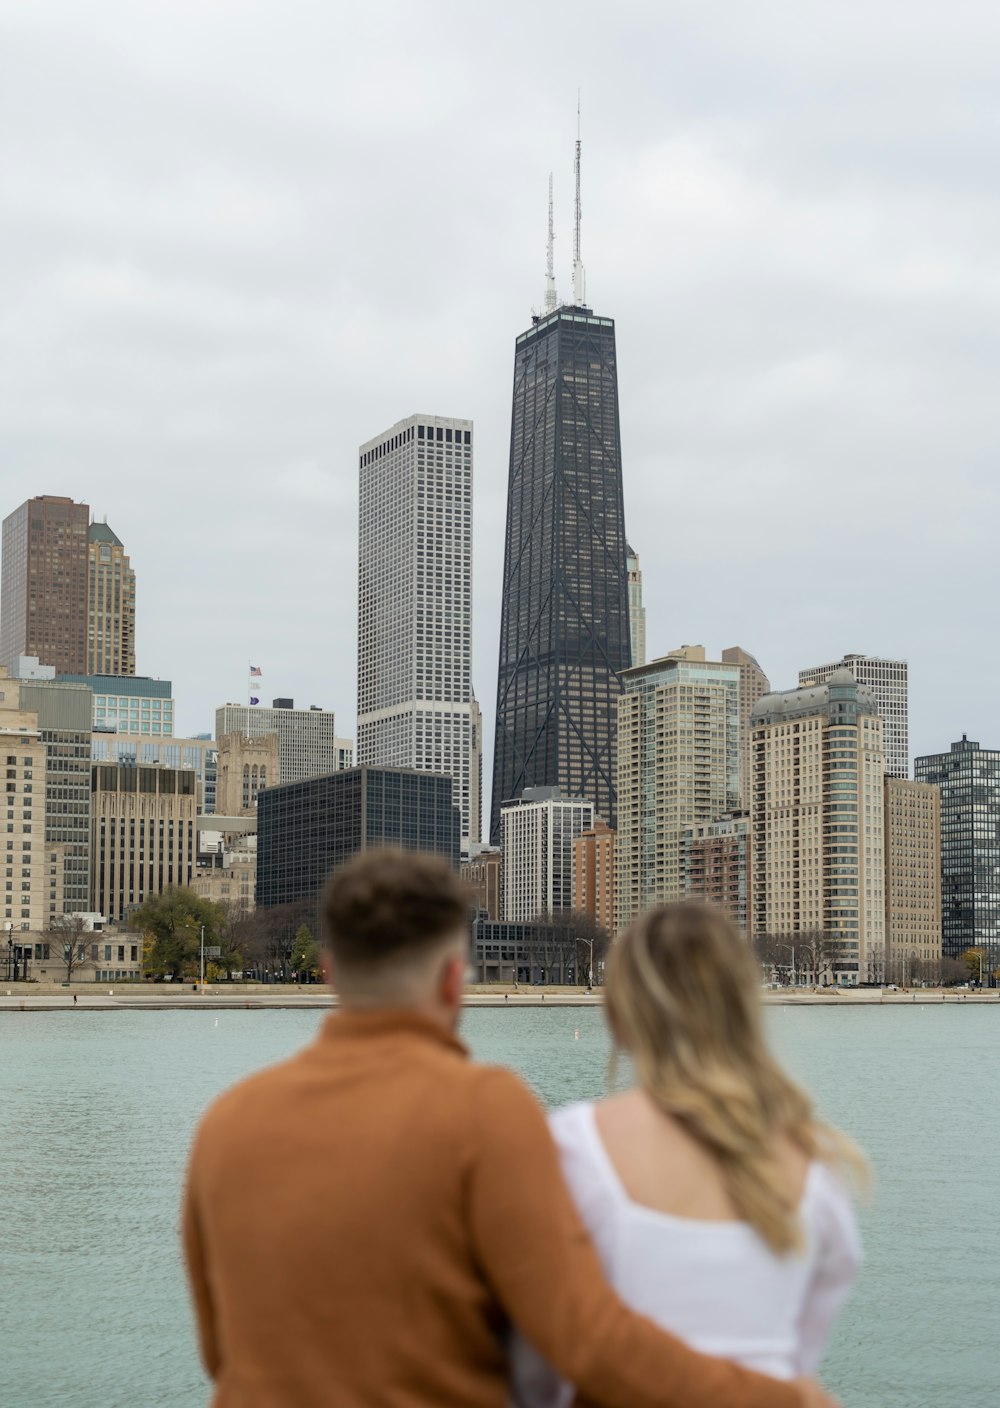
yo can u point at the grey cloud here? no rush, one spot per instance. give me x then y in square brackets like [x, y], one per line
[240, 239]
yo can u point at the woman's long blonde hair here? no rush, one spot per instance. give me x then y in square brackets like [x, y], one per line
[683, 998]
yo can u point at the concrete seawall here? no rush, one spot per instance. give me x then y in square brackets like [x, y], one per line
[49, 997]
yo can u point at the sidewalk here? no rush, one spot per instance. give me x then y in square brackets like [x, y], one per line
[160, 997]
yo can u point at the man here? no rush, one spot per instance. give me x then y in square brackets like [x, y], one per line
[363, 1222]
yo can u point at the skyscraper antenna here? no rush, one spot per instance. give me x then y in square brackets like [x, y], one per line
[579, 278]
[550, 270]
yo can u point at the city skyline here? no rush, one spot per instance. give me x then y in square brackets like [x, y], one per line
[201, 358]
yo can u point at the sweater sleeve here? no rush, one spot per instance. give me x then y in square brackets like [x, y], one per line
[197, 1272]
[536, 1255]
[837, 1265]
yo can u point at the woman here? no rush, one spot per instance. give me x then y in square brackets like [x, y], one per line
[711, 1191]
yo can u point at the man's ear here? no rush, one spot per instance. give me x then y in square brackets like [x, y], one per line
[451, 979]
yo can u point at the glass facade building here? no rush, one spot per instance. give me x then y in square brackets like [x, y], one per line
[130, 703]
[969, 779]
[307, 829]
[564, 627]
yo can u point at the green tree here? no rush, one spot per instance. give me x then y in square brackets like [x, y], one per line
[305, 953]
[172, 921]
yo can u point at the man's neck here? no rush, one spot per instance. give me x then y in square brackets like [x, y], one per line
[360, 1004]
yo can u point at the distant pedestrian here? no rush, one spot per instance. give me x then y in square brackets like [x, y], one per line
[506, 998]
[74, 999]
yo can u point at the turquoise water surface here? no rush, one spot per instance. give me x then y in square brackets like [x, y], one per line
[97, 1109]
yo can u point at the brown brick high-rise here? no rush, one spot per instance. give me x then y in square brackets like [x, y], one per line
[43, 584]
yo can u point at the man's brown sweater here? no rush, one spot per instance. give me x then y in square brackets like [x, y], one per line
[364, 1221]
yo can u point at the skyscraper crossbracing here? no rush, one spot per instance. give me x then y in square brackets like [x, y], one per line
[564, 629]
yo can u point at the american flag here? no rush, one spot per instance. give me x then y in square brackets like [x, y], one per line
[254, 671]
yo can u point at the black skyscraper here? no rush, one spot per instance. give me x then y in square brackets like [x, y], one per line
[564, 629]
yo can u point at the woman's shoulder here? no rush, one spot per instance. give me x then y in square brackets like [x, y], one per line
[571, 1124]
[583, 1160]
[828, 1210]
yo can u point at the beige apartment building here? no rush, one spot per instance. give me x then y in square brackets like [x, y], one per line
[678, 765]
[594, 875]
[33, 869]
[817, 816]
[754, 684]
[110, 605]
[143, 821]
[245, 766]
[912, 881]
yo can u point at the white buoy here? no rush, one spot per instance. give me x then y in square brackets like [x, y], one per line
[576, 1034]
[216, 1021]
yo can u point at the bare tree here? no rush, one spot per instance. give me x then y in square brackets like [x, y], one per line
[266, 938]
[64, 940]
[810, 956]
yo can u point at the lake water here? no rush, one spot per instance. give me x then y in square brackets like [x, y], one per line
[97, 1109]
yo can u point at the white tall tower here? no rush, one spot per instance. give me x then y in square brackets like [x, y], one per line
[889, 682]
[579, 276]
[415, 702]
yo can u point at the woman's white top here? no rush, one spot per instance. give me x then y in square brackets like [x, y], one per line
[716, 1285]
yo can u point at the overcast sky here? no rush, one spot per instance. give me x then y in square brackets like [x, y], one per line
[241, 238]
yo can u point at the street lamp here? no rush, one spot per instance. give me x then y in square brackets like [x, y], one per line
[791, 950]
[590, 960]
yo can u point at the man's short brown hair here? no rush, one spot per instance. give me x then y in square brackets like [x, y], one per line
[389, 904]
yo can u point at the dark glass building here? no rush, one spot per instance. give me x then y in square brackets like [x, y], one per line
[564, 626]
[307, 829]
[969, 779]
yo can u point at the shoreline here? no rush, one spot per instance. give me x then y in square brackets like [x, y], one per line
[51, 997]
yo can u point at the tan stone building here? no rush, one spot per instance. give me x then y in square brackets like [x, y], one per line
[912, 881]
[678, 765]
[143, 822]
[482, 872]
[102, 954]
[110, 605]
[33, 869]
[244, 768]
[594, 875]
[232, 883]
[818, 864]
[754, 684]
